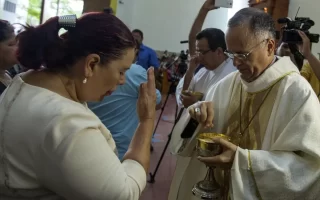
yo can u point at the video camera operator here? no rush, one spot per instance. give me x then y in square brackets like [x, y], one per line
[311, 69]
[206, 47]
[296, 43]
[307, 63]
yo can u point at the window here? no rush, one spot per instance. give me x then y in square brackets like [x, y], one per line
[9, 6]
[66, 7]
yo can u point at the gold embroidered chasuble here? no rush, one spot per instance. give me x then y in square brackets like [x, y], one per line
[253, 118]
[278, 145]
[248, 116]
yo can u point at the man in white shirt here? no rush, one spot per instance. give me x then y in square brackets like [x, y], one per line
[207, 48]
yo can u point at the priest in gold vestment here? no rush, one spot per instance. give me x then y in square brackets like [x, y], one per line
[271, 114]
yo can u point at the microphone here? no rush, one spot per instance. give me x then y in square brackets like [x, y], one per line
[311, 22]
[184, 41]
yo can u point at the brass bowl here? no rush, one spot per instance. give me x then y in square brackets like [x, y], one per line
[199, 95]
[186, 92]
[208, 148]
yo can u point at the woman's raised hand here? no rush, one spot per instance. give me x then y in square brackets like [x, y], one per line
[146, 105]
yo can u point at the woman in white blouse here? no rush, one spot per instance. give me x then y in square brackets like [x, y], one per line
[51, 145]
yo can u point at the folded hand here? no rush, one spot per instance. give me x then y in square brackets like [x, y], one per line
[187, 100]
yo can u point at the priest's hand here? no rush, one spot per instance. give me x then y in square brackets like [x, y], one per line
[223, 160]
[202, 112]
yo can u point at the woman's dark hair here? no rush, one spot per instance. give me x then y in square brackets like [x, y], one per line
[6, 30]
[97, 33]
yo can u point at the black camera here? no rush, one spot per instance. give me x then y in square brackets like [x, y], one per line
[290, 34]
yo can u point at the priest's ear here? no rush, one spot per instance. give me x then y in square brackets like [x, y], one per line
[271, 46]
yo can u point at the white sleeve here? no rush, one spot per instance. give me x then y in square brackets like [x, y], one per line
[80, 164]
[178, 92]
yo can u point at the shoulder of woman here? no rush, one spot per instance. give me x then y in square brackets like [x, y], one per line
[54, 114]
[76, 116]
[71, 124]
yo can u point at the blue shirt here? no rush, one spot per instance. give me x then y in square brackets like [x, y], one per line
[147, 57]
[118, 112]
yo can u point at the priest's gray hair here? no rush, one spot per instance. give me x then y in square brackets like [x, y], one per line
[255, 22]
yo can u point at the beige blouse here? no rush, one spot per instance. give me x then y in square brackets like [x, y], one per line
[54, 148]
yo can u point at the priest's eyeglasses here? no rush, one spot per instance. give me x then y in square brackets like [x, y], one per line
[243, 56]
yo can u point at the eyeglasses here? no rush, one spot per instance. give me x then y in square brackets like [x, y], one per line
[203, 52]
[243, 56]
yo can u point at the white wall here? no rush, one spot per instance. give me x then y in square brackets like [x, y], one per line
[22, 12]
[308, 8]
[51, 10]
[237, 5]
[48, 11]
[9, 16]
[165, 23]
[19, 16]
[125, 12]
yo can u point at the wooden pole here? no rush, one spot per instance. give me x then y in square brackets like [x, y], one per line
[43, 2]
[58, 7]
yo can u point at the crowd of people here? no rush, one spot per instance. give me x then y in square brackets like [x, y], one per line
[78, 110]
